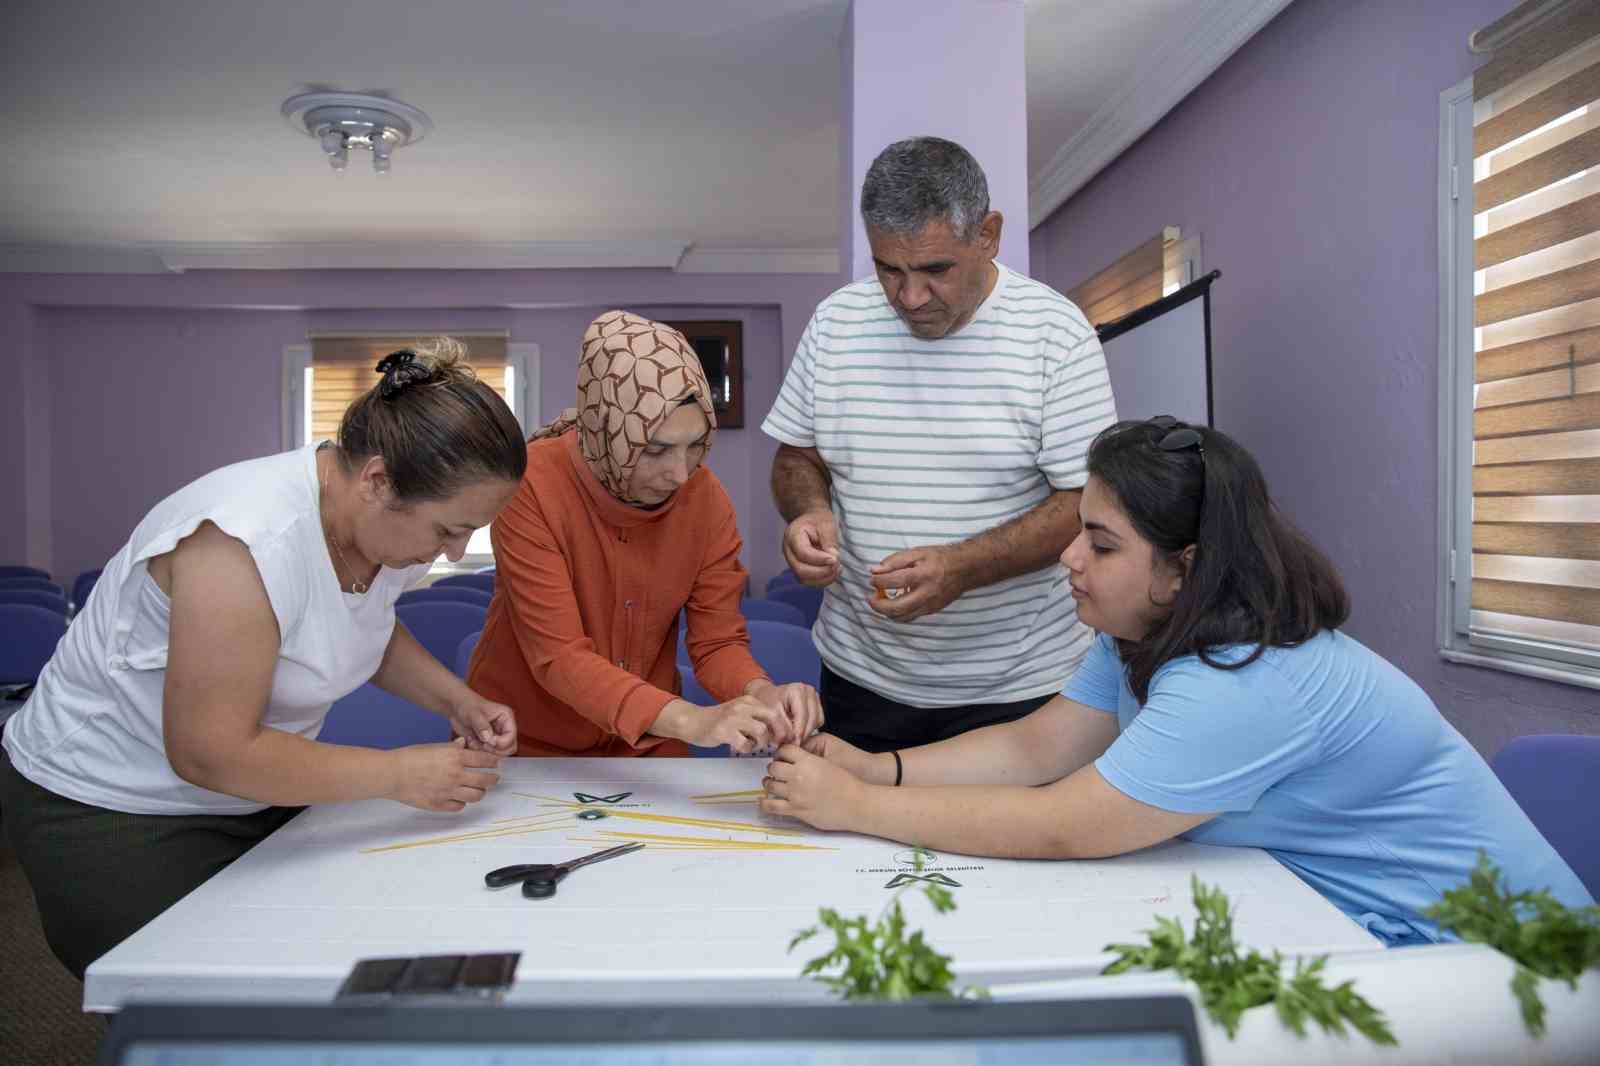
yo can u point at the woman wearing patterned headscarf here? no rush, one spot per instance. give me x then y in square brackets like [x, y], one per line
[616, 529]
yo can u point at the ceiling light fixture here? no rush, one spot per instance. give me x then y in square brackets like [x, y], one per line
[342, 121]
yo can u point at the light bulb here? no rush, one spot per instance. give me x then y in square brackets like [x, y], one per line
[339, 160]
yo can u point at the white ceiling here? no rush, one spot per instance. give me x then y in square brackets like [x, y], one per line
[706, 121]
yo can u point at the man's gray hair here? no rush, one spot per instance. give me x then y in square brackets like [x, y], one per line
[922, 180]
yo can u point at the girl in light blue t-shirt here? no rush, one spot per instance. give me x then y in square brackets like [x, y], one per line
[1219, 703]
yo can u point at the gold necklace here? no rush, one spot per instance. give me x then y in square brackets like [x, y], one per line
[357, 587]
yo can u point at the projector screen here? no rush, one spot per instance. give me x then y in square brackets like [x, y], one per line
[1159, 356]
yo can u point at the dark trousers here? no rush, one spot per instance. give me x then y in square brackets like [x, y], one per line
[100, 875]
[875, 723]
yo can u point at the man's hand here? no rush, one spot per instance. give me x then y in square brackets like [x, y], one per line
[485, 725]
[916, 582]
[798, 702]
[804, 786]
[811, 548]
[442, 777]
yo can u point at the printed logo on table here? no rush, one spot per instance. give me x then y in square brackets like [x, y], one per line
[936, 879]
[584, 797]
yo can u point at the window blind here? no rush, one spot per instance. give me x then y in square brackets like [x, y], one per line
[342, 370]
[1141, 277]
[1536, 318]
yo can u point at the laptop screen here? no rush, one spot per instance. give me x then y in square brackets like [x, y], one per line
[1143, 1031]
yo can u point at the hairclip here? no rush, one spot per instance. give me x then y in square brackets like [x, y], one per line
[394, 367]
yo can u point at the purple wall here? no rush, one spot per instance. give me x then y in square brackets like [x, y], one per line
[1308, 164]
[897, 83]
[126, 387]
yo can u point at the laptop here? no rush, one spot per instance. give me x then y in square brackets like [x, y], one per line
[1157, 1030]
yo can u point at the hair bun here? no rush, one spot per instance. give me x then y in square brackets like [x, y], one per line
[400, 369]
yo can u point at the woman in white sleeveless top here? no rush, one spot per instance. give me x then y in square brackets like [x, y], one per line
[175, 726]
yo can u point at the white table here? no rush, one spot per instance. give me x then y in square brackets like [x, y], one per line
[287, 921]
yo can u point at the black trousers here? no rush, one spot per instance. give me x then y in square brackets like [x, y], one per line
[875, 723]
[99, 875]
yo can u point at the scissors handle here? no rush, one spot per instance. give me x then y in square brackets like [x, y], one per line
[543, 887]
[510, 875]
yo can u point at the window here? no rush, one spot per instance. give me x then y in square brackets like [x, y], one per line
[1158, 267]
[1520, 350]
[323, 377]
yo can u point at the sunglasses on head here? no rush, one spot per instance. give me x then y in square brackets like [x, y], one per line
[1177, 438]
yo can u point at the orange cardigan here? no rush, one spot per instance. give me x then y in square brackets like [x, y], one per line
[582, 635]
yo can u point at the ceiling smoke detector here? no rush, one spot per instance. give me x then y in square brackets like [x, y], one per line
[342, 121]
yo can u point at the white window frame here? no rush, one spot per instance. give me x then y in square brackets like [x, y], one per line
[1457, 643]
[521, 358]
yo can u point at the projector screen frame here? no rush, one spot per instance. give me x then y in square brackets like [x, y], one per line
[1200, 289]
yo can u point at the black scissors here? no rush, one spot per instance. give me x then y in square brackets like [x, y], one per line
[539, 880]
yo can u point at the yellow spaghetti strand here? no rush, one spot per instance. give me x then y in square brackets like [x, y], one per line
[482, 834]
[712, 842]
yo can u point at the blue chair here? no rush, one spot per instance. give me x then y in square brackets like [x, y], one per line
[485, 569]
[450, 594]
[787, 577]
[484, 582]
[82, 585]
[41, 583]
[464, 653]
[28, 637]
[785, 652]
[37, 597]
[23, 571]
[771, 611]
[806, 599]
[1552, 778]
[440, 627]
[372, 718]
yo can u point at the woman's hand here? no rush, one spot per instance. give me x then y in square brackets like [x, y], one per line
[442, 777]
[808, 787]
[485, 725]
[798, 702]
[744, 723]
[873, 769]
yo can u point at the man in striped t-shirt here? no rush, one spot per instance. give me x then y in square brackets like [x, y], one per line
[933, 429]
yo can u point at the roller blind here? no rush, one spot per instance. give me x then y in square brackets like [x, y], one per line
[1536, 317]
[342, 370]
[1141, 277]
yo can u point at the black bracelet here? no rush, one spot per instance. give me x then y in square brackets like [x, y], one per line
[899, 768]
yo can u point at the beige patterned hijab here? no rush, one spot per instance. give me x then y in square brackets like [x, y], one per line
[633, 373]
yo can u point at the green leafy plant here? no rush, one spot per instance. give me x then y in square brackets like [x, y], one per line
[1231, 983]
[877, 960]
[1545, 938]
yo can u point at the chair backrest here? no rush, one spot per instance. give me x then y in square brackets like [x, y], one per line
[771, 611]
[37, 597]
[485, 569]
[82, 585]
[1553, 779]
[785, 652]
[485, 582]
[28, 637]
[464, 651]
[787, 577]
[43, 584]
[449, 594]
[807, 599]
[23, 571]
[440, 627]
[372, 718]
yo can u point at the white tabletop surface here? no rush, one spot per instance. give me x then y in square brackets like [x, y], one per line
[674, 921]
